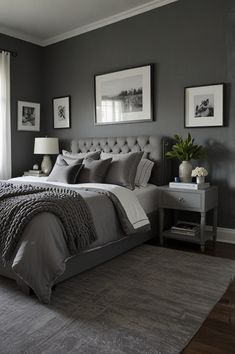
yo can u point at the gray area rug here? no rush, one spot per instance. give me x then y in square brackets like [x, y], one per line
[149, 300]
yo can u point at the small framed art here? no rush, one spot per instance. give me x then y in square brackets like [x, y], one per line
[204, 106]
[124, 96]
[62, 112]
[28, 116]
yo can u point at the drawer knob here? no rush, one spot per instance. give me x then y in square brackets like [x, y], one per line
[181, 200]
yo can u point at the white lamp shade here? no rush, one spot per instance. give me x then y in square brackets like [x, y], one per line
[46, 146]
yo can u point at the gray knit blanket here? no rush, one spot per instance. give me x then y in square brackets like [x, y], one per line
[19, 204]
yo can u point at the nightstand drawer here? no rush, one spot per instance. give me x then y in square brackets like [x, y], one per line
[181, 200]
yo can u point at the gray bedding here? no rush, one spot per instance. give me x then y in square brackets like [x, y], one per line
[41, 255]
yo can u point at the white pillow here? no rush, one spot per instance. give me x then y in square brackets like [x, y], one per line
[95, 155]
[143, 172]
[115, 157]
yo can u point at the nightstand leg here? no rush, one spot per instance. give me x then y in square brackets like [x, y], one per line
[161, 224]
[215, 216]
[202, 229]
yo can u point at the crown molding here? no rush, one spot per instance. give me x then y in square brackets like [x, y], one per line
[24, 37]
[87, 28]
[108, 20]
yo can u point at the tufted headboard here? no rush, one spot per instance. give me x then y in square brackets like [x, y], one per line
[154, 148]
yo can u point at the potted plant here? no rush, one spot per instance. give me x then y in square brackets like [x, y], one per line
[185, 150]
[200, 173]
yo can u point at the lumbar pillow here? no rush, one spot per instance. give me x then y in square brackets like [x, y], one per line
[95, 155]
[122, 172]
[143, 172]
[65, 173]
[94, 171]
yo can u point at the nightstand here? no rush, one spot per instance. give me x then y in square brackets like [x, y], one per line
[200, 201]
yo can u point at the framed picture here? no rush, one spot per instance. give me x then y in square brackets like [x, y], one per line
[124, 96]
[204, 106]
[28, 116]
[62, 112]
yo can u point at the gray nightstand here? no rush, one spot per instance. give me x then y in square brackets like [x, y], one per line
[199, 201]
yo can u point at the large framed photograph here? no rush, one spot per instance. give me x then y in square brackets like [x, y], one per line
[124, 96]
[204, 106]
[62, 112]
[28, 116]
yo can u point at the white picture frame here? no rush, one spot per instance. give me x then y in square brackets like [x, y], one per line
[62, 112]
[124, 96]
[204, 106]
[28, 116]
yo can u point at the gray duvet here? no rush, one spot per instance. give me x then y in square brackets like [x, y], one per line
[41, 254]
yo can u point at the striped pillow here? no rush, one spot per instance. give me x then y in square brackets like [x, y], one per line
[143, 172]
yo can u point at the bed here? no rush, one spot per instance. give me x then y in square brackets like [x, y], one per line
[114, 241]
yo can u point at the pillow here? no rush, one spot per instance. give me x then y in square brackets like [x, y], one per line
[123, 171]
[115, 157]
[94, 171]
[143, 172]
[65, 160]
[95, 155]
[65, 173]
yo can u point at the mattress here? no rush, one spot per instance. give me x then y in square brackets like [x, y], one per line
[148, 197]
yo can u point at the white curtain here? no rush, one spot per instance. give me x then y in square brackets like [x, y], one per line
[5, 117]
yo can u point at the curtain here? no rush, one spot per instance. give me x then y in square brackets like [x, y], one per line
[5, 117]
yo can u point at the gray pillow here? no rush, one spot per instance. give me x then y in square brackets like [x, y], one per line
[65, 174]
[122, 172]
[65, 160]
[80, 155]
[94, 171]
[143, 172]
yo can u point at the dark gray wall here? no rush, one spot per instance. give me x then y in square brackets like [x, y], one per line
[26, 85]
[190, 42]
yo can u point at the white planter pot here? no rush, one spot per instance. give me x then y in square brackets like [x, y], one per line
[185, 171]
[200, 179]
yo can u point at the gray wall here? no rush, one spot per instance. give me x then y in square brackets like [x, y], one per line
[190, 42]
[26, 85]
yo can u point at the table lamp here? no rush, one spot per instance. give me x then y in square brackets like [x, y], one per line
[46, 146]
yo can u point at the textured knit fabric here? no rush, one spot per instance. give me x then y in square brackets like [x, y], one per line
[19, 204]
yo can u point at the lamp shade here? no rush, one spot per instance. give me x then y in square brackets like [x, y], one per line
[47, 146]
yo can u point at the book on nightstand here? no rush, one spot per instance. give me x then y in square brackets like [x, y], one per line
[34, 173]
[186, 228]
[194, 186]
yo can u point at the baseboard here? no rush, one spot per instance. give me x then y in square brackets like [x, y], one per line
[224, 234]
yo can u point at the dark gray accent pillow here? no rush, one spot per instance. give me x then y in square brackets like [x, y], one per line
[65, 160]
[94, 171]
[122, 172]
[65, 174]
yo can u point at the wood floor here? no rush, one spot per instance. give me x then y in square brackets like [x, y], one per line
[217, 334]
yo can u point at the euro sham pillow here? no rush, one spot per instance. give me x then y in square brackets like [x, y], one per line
[143, 172]
[95, 155]
[65, 173]
[65, 160]
[94, 171]
[123, 171]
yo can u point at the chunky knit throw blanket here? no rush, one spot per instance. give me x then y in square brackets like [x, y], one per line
[19, 204]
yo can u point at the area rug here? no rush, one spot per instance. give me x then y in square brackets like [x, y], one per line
[150, 300]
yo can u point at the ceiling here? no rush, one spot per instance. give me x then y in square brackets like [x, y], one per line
[48, 21]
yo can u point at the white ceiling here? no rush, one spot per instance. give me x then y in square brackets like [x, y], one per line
[48, 21]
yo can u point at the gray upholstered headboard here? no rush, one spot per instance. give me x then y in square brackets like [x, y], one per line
[154, 148]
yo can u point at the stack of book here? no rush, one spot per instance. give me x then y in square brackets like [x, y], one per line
[186, 228]
[36, 173]
[195, 186]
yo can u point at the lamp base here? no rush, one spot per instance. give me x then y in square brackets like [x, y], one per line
[46, 165]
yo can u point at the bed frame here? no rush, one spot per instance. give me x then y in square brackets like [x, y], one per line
[154, 148]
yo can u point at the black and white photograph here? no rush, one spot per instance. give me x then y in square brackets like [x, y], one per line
[28, 116]
[61, 112]
[124, 96]
[204, 106]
